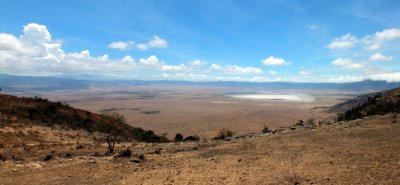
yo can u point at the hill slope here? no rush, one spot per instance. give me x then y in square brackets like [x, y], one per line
[378, 103]
[40, 111]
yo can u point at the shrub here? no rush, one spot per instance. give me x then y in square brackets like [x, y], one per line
[126, 153]
[47, 157]
[299, 123]
[311, 122]
[67, 155]
[266, 129]
[192, 138]
[224, 133]
[178, 137]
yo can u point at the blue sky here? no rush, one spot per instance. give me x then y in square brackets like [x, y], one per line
[297, 41]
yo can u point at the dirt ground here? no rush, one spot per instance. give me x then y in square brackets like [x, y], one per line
[359, 152]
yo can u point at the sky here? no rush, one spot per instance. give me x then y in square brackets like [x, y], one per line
[202, 40]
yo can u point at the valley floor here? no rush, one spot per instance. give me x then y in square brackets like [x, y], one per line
[358, 152]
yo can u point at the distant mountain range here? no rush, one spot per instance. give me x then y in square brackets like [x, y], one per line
[12, 83]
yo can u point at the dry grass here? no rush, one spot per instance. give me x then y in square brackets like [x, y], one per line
[360, 152]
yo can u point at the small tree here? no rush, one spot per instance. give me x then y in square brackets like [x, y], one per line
[178, 137]
[112, 127]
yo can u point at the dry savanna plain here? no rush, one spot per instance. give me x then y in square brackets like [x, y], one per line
[203, 110]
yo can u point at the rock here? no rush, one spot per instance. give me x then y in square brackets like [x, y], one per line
[239, 160]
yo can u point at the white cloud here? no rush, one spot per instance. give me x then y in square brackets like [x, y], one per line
[376, 41]
[345, 42]
[345, 79]
[150, 62]
[238, 69]
[380, 57]
[180, 67]
[234, 69]
[215, 67]
[304, 72]
[197, 63]
[390, 77]
[121, 45]
[36, 53]
[348, 64]
[155, 42]
[274, 61]
[370, 42]
[272, 72]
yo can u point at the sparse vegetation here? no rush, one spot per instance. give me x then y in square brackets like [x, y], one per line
[376, 105]
[299, 123]
[126, 153]
[47, 157]
[311, 122]
[192, 138]
[266, 129]
[43, 112]
[178, 137]
[224, 133]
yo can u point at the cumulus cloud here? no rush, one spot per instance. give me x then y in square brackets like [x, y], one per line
[215, 67]
[121, 45]
[36, 53]
[238, 69]
[344, 42]
[197, 63]
[370, 42]
[234, 69]
[155, 42]
[274, 61]
[376, 41]
[380, 57]
[348, 64]
[181, 67]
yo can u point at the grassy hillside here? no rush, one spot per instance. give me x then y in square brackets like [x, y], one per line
[40, 111]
